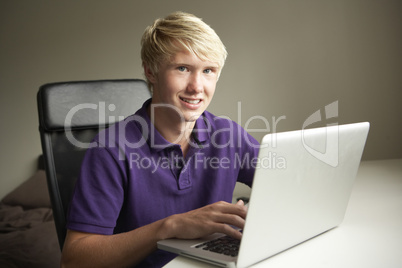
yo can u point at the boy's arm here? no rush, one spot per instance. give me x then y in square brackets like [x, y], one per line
[126, 249]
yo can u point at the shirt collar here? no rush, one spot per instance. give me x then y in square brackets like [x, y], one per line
[155, 140]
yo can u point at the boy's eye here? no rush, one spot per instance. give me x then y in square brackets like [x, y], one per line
[182, 69]
[207, 71]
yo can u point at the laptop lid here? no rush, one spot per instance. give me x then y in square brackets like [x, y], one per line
[301, 188]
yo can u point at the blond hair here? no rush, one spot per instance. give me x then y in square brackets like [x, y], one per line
[178, 31]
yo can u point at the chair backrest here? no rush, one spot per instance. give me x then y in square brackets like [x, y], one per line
[70, 115]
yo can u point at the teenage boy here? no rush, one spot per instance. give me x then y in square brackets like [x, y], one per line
[168, 171]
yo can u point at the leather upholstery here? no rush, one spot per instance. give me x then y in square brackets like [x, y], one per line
[79, 109]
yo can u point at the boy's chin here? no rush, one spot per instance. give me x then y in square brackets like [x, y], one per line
[192, 118]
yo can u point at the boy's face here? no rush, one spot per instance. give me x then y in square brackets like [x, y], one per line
[185, 82]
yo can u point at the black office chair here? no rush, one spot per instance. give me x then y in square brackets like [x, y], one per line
[70, 115]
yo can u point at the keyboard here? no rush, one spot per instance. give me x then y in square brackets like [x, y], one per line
[223, 245]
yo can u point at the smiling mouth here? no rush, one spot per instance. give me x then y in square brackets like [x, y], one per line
[191, 101]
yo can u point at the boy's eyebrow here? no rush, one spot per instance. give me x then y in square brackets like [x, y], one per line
[211, 66]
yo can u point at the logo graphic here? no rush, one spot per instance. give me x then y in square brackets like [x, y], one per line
[325, 150]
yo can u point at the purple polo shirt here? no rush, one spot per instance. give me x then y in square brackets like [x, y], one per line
[131, 176]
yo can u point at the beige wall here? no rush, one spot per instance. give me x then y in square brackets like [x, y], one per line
[286, 58]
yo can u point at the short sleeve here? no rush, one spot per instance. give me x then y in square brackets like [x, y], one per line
[249, 151]
[99, 193]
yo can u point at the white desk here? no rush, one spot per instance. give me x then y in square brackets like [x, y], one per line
[370, 235]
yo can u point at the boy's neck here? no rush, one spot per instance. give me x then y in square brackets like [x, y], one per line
[174, 130]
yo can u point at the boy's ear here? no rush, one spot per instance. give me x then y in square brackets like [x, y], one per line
[149, 74]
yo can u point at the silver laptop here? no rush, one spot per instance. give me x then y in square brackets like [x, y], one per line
[301, 188]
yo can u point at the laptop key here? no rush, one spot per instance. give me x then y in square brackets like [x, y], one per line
[224, 245]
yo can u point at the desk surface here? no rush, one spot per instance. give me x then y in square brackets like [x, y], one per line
[369, 236]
